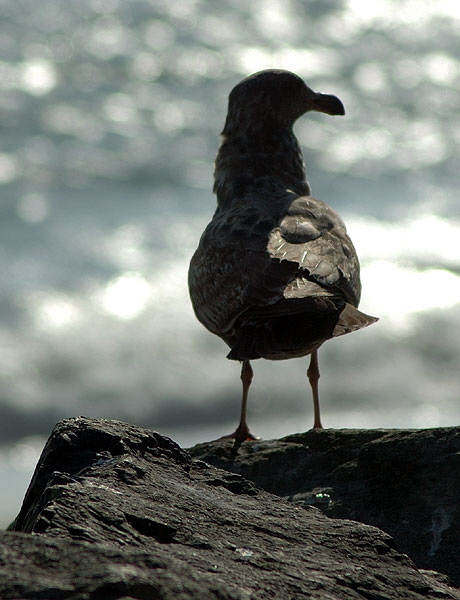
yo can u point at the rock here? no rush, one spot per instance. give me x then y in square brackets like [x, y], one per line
[121, 512]
[404, 482]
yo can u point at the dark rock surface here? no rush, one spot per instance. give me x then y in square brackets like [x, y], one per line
[404, 482]
[121, 512]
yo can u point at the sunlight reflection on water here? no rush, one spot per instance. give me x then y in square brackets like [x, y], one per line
[119, 70]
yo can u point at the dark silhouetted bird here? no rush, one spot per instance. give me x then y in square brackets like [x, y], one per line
[275, 274]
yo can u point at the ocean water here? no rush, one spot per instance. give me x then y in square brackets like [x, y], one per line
[110, 116]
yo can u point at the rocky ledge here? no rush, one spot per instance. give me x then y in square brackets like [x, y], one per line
[118, 512]
[406, 482]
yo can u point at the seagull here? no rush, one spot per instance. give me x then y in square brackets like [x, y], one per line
[275, 274]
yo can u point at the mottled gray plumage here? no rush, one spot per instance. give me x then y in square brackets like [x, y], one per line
[275, 273]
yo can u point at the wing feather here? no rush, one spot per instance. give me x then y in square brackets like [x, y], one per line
[256, 255]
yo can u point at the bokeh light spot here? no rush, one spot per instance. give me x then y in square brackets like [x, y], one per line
[38, 77]
[53, 311]
[33, 208]
[120, 108]
[126, 296]
[9, 168]
[146, 66]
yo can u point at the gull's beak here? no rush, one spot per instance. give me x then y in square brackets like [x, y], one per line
[327, 103]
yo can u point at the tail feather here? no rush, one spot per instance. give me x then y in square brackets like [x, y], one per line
[352, 319]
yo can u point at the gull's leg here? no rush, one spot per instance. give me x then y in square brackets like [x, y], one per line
[242, 432]
[313, 376]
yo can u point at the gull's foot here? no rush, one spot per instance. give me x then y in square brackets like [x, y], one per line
[240, 435]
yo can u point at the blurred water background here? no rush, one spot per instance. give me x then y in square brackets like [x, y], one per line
[110, 113]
